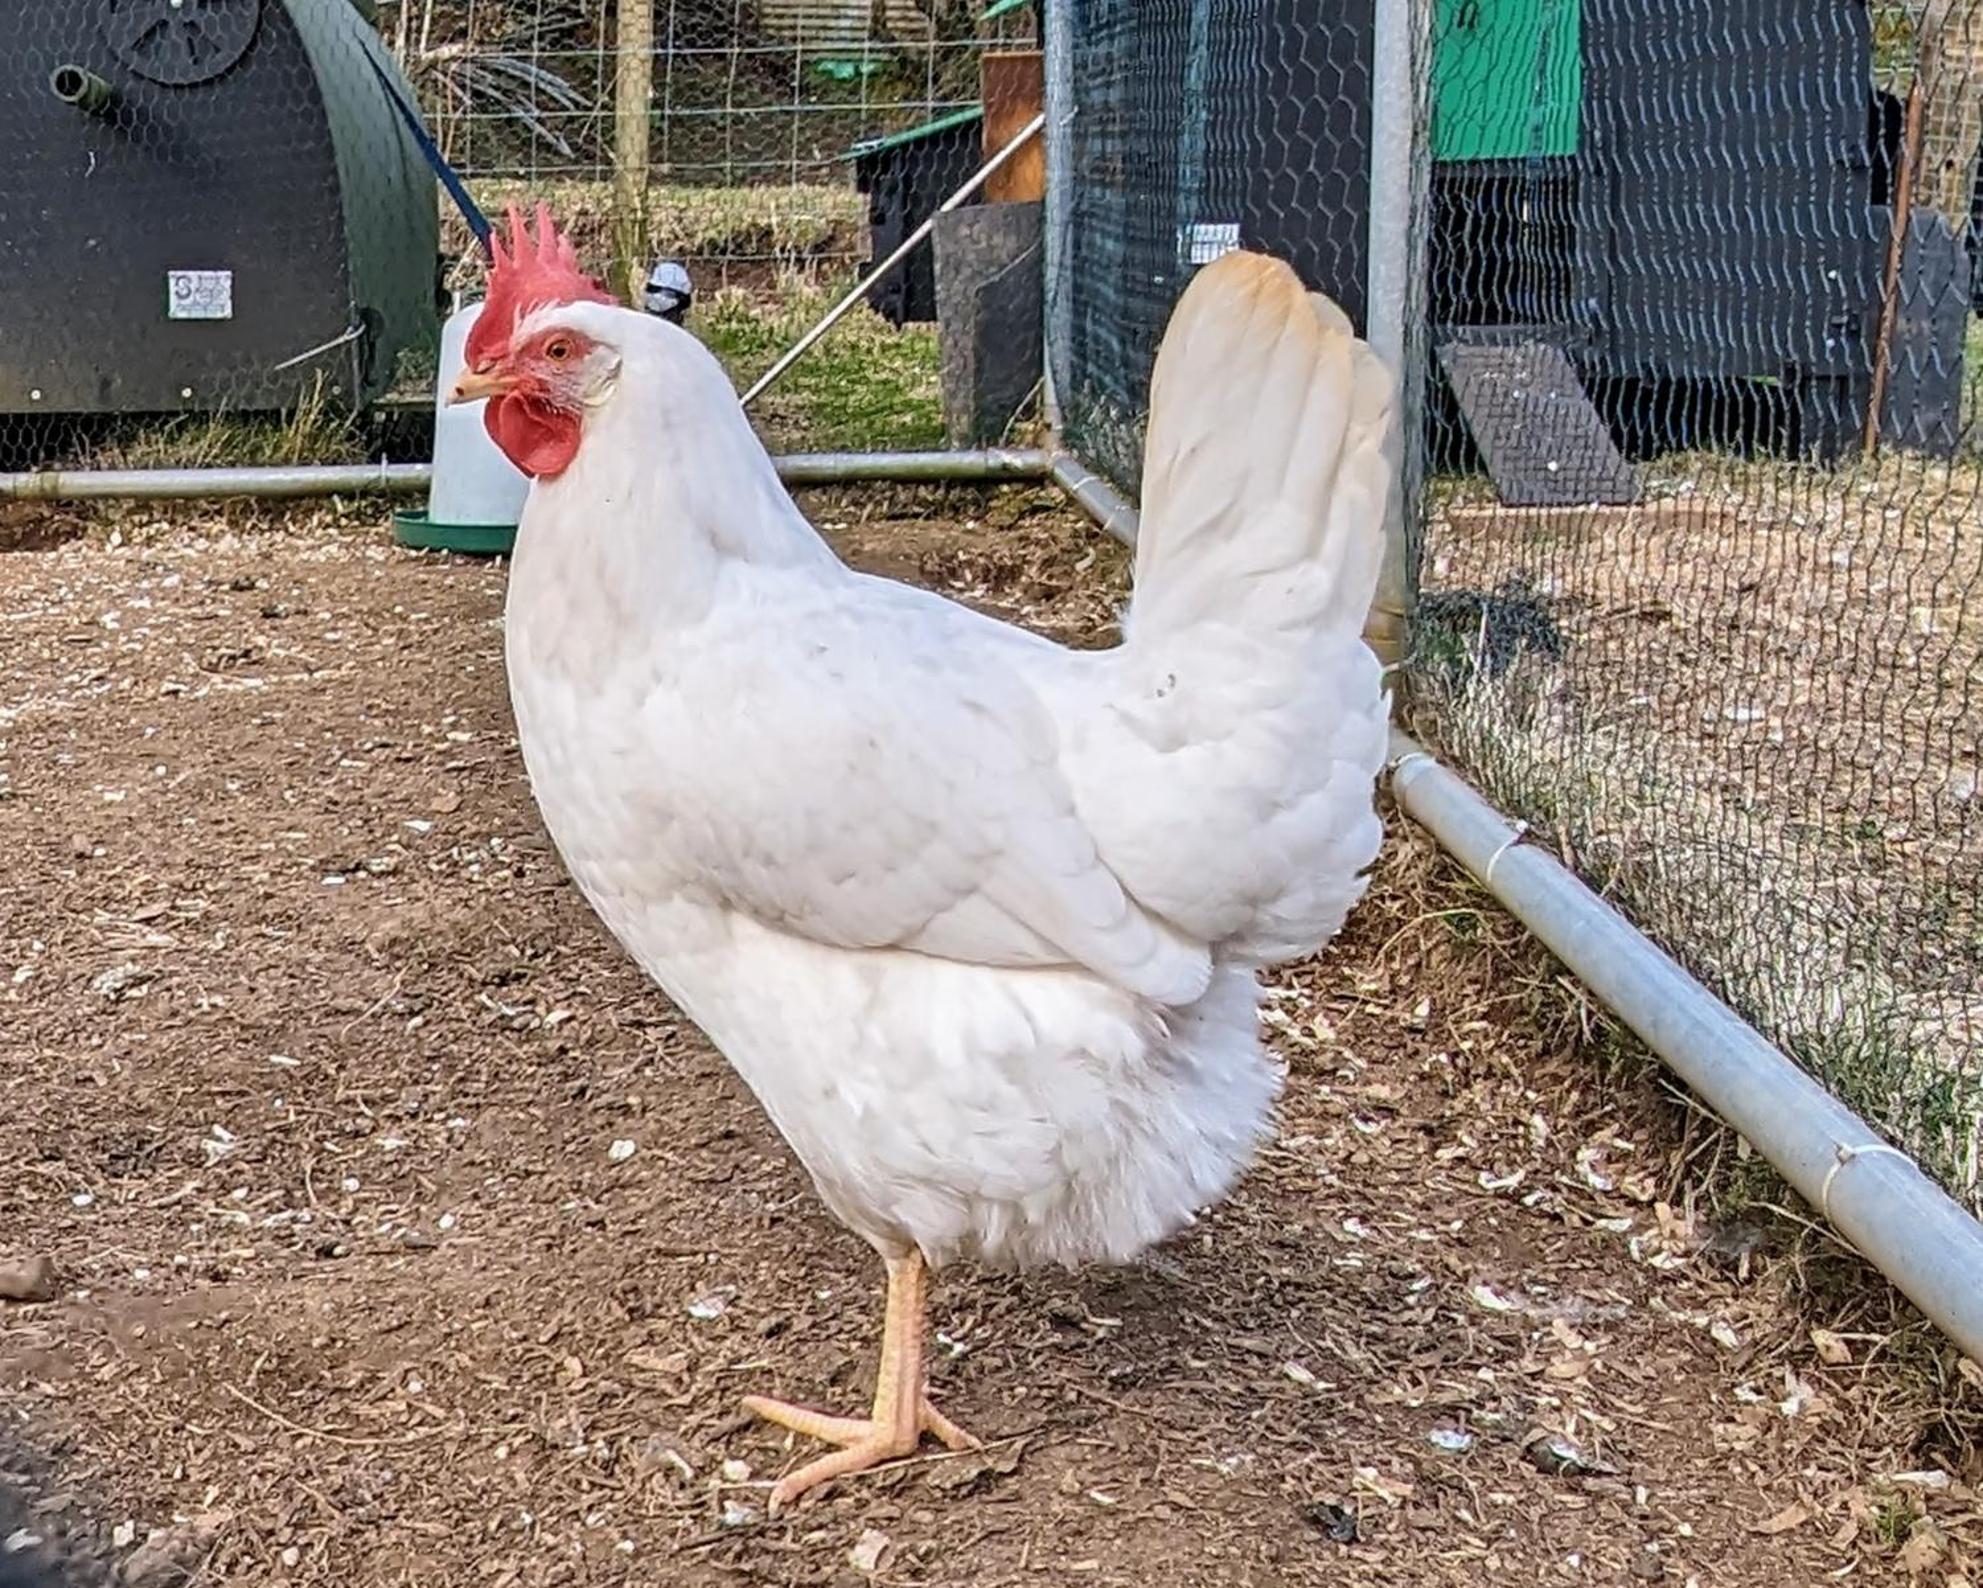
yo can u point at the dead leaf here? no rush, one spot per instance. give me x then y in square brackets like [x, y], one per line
[175, 1554]
[1392, 1491]
[969, 1473]
[1789, 1518]
[671, 1364]
[1925, 1548]
[866, 1556]
[30, 1279]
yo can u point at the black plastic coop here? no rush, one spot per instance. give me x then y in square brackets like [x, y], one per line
[206, 204]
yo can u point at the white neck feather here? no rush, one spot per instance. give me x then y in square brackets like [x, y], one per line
[669, 485]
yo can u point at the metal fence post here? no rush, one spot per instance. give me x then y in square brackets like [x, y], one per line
[1397, 195]
[1057, 214]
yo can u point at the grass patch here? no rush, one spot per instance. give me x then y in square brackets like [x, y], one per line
[865, 386]
[783, 256]
[787, 226]
[316, 431]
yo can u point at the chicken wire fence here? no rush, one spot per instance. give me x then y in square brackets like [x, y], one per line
[221, 216]
[205, 207]
[1699, 544]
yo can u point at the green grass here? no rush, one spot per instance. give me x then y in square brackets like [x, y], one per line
[316, 431]
[865, 386]
[768, 262]
[1896, 44]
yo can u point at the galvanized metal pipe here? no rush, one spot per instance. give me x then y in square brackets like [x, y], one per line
[1094, 496]
[1400, 156]
[1056, 217]
[1872, 1193]
[988, 463]
[192, 485]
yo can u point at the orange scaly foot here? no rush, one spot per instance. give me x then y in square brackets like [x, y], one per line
[902, 1413]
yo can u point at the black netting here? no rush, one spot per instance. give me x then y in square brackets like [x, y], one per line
[1701, 531]
[1197, 126]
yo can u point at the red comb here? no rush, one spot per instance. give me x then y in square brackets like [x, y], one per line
[527, 275]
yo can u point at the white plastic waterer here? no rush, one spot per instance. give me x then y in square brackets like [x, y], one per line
[478, 494]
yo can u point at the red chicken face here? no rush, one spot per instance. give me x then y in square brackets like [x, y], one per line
[536, 386]
[537, 393]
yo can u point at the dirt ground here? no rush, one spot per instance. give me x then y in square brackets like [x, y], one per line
[318, 1086]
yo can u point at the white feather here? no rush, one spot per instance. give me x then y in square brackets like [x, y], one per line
[976, 917]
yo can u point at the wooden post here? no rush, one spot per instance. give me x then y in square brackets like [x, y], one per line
[1015, 91]
[1903, 214]
[632, 102]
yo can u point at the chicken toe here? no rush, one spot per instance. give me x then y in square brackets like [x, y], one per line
[902, 1412]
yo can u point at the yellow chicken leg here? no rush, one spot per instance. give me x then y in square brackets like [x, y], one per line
[902, 1413]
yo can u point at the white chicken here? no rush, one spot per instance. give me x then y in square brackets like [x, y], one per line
[976, 917]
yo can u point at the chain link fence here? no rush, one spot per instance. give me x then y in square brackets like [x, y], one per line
[1700, 538]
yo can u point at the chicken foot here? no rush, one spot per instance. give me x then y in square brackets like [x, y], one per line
[902, 1413]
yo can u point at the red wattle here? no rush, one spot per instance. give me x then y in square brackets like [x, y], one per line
[539, 440]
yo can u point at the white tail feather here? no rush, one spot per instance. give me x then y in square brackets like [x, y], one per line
[1269, 458]
[1251, 717]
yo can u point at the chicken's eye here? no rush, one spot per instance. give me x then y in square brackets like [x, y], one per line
[558, 351]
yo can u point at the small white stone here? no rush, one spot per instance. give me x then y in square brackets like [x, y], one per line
[621, 1151]
[712, 1305]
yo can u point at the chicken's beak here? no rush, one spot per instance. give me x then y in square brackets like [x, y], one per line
[474, 385]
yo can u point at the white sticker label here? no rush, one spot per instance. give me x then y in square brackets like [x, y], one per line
[199, 294]
[1205, 241]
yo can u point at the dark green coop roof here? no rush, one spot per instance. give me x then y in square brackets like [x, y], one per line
[929, 129]
[386, 188]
